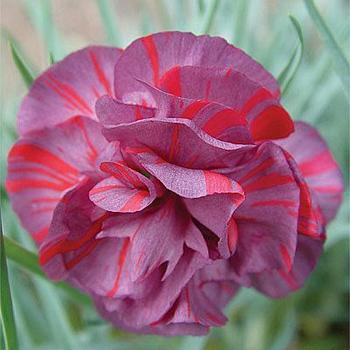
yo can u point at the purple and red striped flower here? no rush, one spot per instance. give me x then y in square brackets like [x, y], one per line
[161, 178]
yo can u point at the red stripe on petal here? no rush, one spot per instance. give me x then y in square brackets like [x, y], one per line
[289, 279]
[45, 199]
[327, 189]
[274, 202]
[134, 203]
[86, 252]
[259, 96]
[65, 245]
[100, 73]
[70, 103]
[92, 155]
[138, 115]
[174, 142]
[171, 81]
[216, 183]
[65, 90]
[64, 180]
[232, 235]
[267, 182]
[106, 188]
[121, 261]
[120, 172]
[266, 164]
[35, 154]
[152, 53]
[191, 110]
[26, 184]
[286, 257]
[272, 123]
[214, 319]
[222, 121]
[40, 235]
[228, 72]
[320, 163]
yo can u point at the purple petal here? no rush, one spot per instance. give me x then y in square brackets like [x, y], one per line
[69, 88]
[112, 112]
[318, 167]
[279, 283]
[182, 143]
[125, 191]
[45, 164]
[267, 219]
[149, 310]
[150, 58]
[150, 241]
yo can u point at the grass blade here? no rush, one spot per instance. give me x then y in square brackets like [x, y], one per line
[288, 73]
[29, 261]
[6, 309]
[240, 22]
[209, 16]
[341, 63]
[40, 13]
[22, 67]
[107, 13]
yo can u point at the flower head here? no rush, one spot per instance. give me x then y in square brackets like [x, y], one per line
[161, 178]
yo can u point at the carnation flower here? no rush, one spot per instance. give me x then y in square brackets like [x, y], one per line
[162, 178]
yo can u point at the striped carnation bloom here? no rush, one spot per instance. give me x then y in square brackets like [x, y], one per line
[161, 178]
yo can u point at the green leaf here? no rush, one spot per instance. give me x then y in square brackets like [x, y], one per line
[109, 20]
[288, 73]
[29, 261]
[22, 67]
[6, 309]
[341, 63]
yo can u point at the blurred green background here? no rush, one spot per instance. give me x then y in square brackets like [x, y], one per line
[316, 317]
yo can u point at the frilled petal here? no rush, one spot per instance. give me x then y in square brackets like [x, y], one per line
[147, 311]
[215, 119]
[210, 197]
[73, 250]
[318, 167]
[151, 58]
[187, 183]
[69, 88]
[267, 219]
[113, 112]
[202, 300]
[104, 254]
[171, 329]
[245, 102]
[44, 164]
[182, 143]
[157, 236]
[125, 191]
[198, 306]
[310, 220]
[279, 283]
